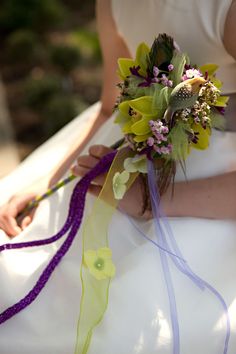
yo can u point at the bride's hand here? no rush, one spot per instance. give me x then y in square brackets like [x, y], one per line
[133, 203]
[10, 211]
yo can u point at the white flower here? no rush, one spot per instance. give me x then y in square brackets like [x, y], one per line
[137, 163]
[119, 184]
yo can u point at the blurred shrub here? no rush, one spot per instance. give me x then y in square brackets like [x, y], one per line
[65, 57]
[39, 15]
[21, 46]
[88, 43]
[39, 91]
[58, 111]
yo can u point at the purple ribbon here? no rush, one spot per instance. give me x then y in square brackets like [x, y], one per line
[72, 223]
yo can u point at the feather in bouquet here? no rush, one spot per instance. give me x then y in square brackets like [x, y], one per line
[166, 107]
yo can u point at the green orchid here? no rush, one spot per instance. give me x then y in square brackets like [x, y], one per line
[119, 184]
[99, 263]
[203, 136]
[137, 163]
[134, 117]
[124, 64]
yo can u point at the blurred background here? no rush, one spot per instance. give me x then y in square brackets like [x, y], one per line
[50, 71]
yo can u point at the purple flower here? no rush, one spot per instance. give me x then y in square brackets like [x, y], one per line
[155, 71]
[221, 110]
[157, 149]
[135, 70]
[170, 67]
[150, 141]
[165, 81]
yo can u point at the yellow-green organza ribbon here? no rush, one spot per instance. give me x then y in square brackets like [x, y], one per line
[97, 267]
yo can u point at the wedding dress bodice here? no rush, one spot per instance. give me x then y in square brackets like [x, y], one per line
[137, 320]
[196, 26]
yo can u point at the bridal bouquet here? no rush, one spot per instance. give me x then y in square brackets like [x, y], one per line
[167, 106]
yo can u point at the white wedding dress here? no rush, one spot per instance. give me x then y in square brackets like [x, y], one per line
[137, 320]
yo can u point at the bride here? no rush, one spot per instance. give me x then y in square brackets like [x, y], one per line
[202, 212]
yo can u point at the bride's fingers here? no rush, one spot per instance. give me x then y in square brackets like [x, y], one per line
[87, 161]
[9, 225]
[82, 171]
[79, 171]
[94, 189]
[27, 219]
[99, 151]
[83, 165]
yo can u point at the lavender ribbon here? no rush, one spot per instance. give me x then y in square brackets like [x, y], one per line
[175, 254]
[72, 223]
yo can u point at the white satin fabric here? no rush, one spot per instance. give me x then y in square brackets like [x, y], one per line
[138, 317]
[196, 26]
[137, 320]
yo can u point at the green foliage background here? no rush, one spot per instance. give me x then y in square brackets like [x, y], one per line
[50, 63]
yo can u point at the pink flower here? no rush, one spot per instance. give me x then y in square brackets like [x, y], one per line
[150, 141]
[170, 67]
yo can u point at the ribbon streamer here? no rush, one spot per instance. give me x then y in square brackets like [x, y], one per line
[72, 223]
[95, 293]
[179, 262]
[94, 298]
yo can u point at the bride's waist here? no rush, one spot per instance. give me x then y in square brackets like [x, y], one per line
[218, 158]
[230, 113]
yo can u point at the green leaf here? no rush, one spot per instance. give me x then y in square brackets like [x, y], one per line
[161, 100]
[179, 139]
[217, 121]
[179, 60]
[133, 90]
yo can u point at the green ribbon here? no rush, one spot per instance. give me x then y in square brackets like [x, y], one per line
[96, 273]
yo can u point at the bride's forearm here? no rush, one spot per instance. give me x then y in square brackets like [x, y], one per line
[213, 197]
[84, 136]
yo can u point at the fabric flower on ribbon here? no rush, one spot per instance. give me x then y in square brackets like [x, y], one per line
[99, 263]
[137, 163]
[119, 184]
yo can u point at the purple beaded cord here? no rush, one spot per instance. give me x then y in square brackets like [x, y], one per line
[76, 207]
